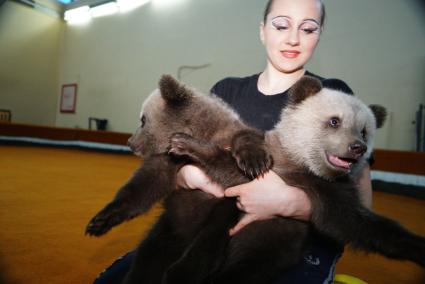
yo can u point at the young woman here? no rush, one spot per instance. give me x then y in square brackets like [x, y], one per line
[290, 32]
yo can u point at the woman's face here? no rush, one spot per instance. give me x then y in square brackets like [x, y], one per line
[291, 33]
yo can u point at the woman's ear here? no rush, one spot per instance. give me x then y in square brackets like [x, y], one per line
[262, 32]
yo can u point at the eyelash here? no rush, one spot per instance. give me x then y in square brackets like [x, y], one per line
[305, 30]
[279, 28]
[309, 31]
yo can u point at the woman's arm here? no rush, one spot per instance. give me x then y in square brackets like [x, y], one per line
[264, 197]
[270, 196]
[267, 197]
[192, 177]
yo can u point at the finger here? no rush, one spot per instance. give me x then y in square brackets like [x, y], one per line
[232, 192]
[240, 205]
[245, 220]
[214, 189]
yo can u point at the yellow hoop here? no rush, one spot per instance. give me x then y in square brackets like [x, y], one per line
[347, 279]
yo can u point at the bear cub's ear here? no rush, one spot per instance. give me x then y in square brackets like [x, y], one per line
[173, 91]
[305, 87]
[380, 114]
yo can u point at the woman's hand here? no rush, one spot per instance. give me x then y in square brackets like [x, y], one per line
[192, 177]
[263, 198]
[267, 197]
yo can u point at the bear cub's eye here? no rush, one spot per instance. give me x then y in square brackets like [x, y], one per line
[334, 122]
[143, 120]
[364, 133]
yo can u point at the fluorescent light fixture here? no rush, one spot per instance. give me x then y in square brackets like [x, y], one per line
[85, 13]
[104, 9]
[166, 3]
[128, 5]
[78, 15]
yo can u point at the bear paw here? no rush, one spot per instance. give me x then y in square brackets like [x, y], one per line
[253, 161]
[181, 144]
[104, 221]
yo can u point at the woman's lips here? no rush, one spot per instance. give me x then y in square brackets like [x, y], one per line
[290, 53]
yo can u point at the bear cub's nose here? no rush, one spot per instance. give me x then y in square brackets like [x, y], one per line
[357, 148]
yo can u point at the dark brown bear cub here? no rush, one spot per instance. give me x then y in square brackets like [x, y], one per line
[176, 108]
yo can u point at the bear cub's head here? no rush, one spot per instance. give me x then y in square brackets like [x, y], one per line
[174, 107]
[161, 115]
[327, 131]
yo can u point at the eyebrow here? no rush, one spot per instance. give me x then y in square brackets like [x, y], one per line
[288, 17]
[312, 20]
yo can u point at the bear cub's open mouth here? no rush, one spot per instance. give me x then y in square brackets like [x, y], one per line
[341, 162]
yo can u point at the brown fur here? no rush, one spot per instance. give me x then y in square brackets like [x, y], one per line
[190, 242]
[263, 249]
[176, 108]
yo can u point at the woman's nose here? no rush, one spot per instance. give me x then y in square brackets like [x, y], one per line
[293, 38]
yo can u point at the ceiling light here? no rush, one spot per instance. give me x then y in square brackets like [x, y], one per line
[78, 15]
[104, 9]
[166, 3]
[65, 1]
[128, 5]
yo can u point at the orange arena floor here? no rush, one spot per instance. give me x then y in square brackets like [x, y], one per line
[47, 196]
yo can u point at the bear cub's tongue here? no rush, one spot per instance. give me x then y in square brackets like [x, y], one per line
[337, 162]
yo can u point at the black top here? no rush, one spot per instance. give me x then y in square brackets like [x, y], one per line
[259, 110]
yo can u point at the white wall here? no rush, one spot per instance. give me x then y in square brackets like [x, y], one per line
[29, 64]
[118, 60]
[377, 47]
